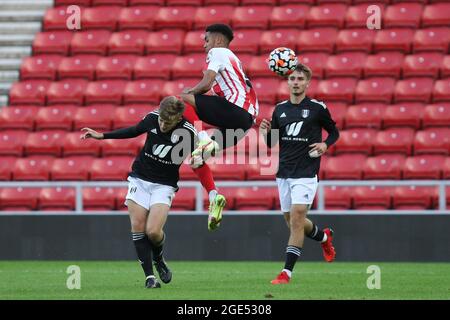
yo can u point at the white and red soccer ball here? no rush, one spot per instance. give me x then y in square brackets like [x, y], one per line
[282, 61]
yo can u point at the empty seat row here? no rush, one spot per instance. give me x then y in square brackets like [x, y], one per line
[112, 168]
[250, 41]
[152, 17]
[169, 66]
[270, 90]
[255, 198]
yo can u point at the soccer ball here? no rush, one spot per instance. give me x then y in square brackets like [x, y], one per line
[282, 61]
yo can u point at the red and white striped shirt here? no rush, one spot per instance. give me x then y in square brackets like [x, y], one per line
[231, 81]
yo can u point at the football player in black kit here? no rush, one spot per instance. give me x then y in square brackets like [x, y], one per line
[299, 122]
[153, 180]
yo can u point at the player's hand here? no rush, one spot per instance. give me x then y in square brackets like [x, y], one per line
[265, 126]
[320, 147]
[89, 133]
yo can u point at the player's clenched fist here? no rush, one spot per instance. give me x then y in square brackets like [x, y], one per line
[89, 133]
[265, 126]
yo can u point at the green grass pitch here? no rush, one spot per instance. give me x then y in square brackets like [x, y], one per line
[224, 281]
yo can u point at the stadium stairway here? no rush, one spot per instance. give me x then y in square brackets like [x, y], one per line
[20, 20]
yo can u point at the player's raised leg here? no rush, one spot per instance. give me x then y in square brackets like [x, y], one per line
[325, 237]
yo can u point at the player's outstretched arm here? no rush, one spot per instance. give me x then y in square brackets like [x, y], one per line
[90, 133]
[265, 127]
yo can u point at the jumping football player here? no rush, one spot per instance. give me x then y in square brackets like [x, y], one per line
[300, 121]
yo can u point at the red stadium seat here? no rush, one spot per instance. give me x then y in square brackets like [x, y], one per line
[320, 39]
[251, 17]
[79, 66]
[99, 198]
[384, 166]
[71, 168]
[110, 168]
[447, 171]
[355, 140]
[349, 64]
[375, 90]
[105, 91]
[414, 89]
[367, 115]
[370, 1]
[83, 3]
[435, 15]
[40, 67]
[116, 67]
[386, 64]
[154, 66]
[90, 42]
[28, 92]
[372, 198]
[334, 1]
[431, 39]
[137, 17]
[130, 115]
[165, 41]
[262, 168]
[186, 173]
[246, 41]
[32, 169]
[18, 117]
[441, 90]
[52, 42]
[19, 198]
[445, 67]
[436, 115]
[145, 2]
[272, 39]
[146, 91]
[337, 198]
[288, 16]
[255, 2]
[337, 89]
[266, 88]
[255, 198]
[432, 141]
[128, 42]
[403, 15]
[404, 114]
[173, 88]
[55, 117]
[72, 145]
[265, 112]
[423, 167]
[95, 117]
[102, 17]
[355, 40]
[424, 64]
[109, 2]
[11, 142]
[412, 198]
[44, 142]
[283, 90]
[230, 2]
[356, 16]
[193, 42]
[175, 17]
[56, 18]
[316, 61]
[228, 170]
[57, 199]
[344, 167]
[189, 66]
[395, 140]
[326, 15]
[393, 39]
[6, 166]
[205, 16]
[119, 198]
[184, 199]
[184, 2]
[67, 91]
[123, 147]
[338, 112]
[229, 194]
[258, 67]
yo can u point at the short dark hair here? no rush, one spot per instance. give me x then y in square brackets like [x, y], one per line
[170, 107]
[223, 29]
[305, 69]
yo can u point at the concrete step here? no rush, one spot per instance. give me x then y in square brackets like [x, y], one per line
[19, 27]
[25, 4]
[4, 87]
[14, 52]
[9, 76]
[10, 64]
[16, 40]
[3, 100]
[29, 15]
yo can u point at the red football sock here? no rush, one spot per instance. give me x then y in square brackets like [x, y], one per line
[191, 116]
[204, 173]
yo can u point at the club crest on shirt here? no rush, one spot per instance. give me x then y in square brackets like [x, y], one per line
[305, 113]
[174, 138]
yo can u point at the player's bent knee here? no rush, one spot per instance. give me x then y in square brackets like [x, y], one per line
[188, 98]
[154, 234]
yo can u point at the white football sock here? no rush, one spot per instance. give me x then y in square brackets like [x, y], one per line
[325, 237]
[203, 135]
[212, 195]
[288, 272]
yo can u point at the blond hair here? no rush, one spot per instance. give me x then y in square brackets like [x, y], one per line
[171, 107]
[305, 69]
